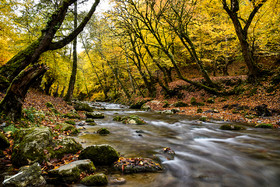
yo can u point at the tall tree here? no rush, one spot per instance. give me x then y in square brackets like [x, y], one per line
[242, 33]
[32, 53]
[69, 94]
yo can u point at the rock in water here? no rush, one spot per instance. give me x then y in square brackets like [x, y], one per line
[83, 106]
[137, 165]
[70, 173]
[27, 176]
[98, 179]
[94, 115]
[100, 155]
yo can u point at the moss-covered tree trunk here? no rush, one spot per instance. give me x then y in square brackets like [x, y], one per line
[11, 105]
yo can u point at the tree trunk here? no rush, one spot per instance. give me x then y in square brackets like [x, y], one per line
[56, 91]
[72, 81]
[48, 84]
[12, 103]
[62, 92]
[253, 69]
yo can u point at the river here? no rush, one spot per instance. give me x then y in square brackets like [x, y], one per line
[205, 155]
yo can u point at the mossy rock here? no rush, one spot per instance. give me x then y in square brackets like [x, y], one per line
[100, 155]
[27, 176]
[103, 131]
[62, 127]
[94, 115]
[145, 107]
[264, 125]
[210, 100]
[117, 118]
[203, 118]
[98, 179]
[89, 120]
[79, 106]
[195, 103]
[199, 110]
[70, 173]
[133, 119]
[92, 124]
[30, 145]
[232, 127]
[4, 143]
[137, 105]
[65, 146]
[180, 104]
[137, 165]
[49, 105]
[71, 122]
[72, 115]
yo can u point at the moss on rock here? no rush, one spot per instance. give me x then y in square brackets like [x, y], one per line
[103, 131]
[70, 173]
[94, 115]
[67, 127]
[98, 179]
[82, 107]
[30, 145]
[132, 119]
[65, 146]
[180, 104]
[264, 125]
[232, 127]
[100, 155]
[72, 115]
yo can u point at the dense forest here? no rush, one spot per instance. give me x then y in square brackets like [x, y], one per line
[190, 57]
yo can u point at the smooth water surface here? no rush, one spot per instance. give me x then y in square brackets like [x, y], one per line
[205, 155]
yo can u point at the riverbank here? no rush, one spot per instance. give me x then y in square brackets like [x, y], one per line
[252, 105]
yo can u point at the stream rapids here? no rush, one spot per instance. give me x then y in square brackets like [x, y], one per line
[205, 155]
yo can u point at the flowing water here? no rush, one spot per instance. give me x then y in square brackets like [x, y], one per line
[205, 155]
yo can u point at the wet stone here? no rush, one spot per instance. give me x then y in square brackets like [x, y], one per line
[27, 176]
[137, 165]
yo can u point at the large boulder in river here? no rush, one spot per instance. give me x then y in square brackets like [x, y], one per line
[100, 154]
[4, 143]
[98, 179]
[70, 173]
[94, 115]
[27, 176]
[83, 107]
[30, 145]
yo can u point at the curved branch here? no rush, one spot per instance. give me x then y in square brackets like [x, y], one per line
[252, 15]
[74, 34]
